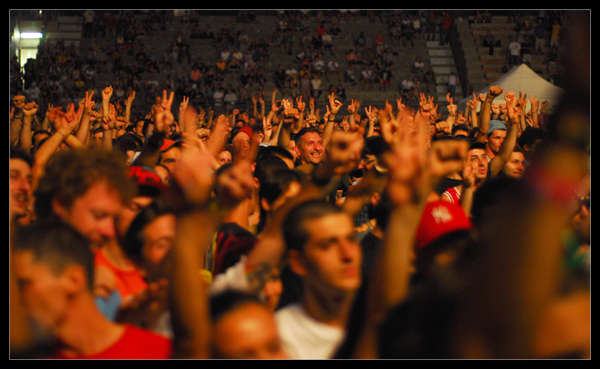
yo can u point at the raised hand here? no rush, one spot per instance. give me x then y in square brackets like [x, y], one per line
[183, 104]
[334, 104]
[494, 91]
[19, 102]
[167, 102]
[301, 105]
[401, 106]
[267, 128]
[426, 105]
[107, 93]
[371, 114]
[343, 152]
[129, 99]
[443, 127]
[30, 108]
[88, 103]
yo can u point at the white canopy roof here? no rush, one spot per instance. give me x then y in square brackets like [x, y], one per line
[522, 79]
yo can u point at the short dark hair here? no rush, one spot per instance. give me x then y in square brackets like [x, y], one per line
[460, 127]
[17, 153]
[530, 135]
[226, 301]
[295, 234]
[274, 150]
[304, 131]
[127, 142]
[57, 245]
[477, 145]
[266, 164]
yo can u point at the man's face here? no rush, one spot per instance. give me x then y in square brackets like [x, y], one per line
[39, 137]
[332, 257]
[311, 148]
[478, 161]
[495, 140]
[170, 158]
[42, 293]
[97, 139]
[515, 166]
[94, 213]
[20, 187]
[241, 145]
[248, 332]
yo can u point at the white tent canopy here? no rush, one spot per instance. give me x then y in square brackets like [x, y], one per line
[522, 79]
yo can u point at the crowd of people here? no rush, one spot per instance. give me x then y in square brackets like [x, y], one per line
[299, 231]
[239, 65]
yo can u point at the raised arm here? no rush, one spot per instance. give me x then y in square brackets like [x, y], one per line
[451, 107]
[64, 124]
[16, 118]
[333, 107]
[473, 112]
[413, 174]
[508, 145]
[29, 110]
[84, 126]
[486, 111]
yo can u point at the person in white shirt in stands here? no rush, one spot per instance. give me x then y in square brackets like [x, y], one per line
[323, 251]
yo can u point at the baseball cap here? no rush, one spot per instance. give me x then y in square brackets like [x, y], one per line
[147, 181]
[495, 124]
[169, 143]
[439, 219]
[246, 129]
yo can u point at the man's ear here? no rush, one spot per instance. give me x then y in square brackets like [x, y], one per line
[75, 279]
[296, 262]
[264, 204]
[58, 208]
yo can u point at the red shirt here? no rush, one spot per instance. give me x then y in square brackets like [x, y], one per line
[129, 282]
[453, 195]
[136, 343]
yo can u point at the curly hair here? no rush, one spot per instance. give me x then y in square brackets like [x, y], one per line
[71, 173]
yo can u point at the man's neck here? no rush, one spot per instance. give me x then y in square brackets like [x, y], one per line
[331, 309]
[490, 154]
[115, 254]
[86, 331]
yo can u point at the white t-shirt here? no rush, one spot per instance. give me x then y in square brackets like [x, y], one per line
[304, 337]
[515, 48]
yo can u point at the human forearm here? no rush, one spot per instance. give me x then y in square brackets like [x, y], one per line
[25, 134]
[188, 299]
[84, 128]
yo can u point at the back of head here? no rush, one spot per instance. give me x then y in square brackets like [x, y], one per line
[267, 164]
[57, 245]
[229, 300]
[71, 173]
